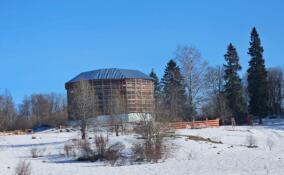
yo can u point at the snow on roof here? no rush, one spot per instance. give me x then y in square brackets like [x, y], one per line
[111, 73]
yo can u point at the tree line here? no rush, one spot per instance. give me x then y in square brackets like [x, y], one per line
[36, 109]
[191, 90]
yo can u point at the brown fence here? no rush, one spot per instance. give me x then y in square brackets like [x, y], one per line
[195, 124]
[16, 132]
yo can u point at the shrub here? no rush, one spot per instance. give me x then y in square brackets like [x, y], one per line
[75, 142]
[138, 153]
[153, 151]
[113, 153]
[85, 148]
[23, 168]
[150, 150]
[152, 147]
[37, 152]
[146, 129]
[69, 150]
[23, 123]
[86, 152]
[56, 120]
[101, 143]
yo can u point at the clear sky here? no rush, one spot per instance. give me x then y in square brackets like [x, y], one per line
[43, 44]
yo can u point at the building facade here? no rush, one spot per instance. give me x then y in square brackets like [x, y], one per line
[135, 91]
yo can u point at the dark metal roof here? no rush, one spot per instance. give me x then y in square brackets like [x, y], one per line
[112, 73]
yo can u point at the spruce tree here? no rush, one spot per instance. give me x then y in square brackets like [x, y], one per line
[174, 91]
[233, 85]
[257, 79]
[157, 86]
[157, 97]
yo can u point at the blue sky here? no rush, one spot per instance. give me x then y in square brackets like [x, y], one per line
[43, 44]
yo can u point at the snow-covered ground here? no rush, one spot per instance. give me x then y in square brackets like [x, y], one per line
[186, 157]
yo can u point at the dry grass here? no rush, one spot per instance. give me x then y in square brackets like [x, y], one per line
[269, 143]
[196, 138]
[37, 152]
[101, 144]
[23, 168]
[69, 150]
[251, 141]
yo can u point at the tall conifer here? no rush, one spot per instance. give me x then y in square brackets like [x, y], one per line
[174, 91]
[233, 85]
[257, 79]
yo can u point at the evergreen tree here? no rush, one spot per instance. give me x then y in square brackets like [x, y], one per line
[233, 85]
[157, 86]
[158, 105]
[174, 91]
[257, 79]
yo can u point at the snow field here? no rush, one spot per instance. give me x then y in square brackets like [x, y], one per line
[186, 156]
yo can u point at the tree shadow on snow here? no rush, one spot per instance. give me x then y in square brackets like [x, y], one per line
[277, 124]
[86, 163]
[30, 145]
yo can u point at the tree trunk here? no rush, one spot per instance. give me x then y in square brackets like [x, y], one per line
[260, 120]
[116, 130]
[83, 129]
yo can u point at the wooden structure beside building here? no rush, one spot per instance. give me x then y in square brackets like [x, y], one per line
[134, 87]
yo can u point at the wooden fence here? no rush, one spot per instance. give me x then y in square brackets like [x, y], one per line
[195, 124]
[16, 132]
[176, 125]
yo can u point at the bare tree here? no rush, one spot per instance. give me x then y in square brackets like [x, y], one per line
[193, 69]
[83, 103]
[162, 114]
[245, 88]
[117, 109]
[57, 109]
[7, 111]
[39, 107]
[275, 79]
[282, 100]
[25, 107]
[50, 109]
[215, 105]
